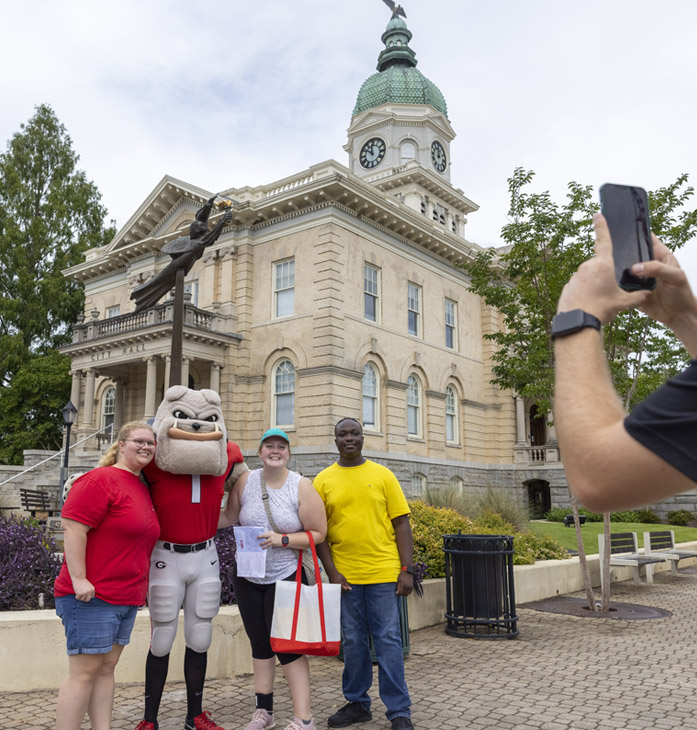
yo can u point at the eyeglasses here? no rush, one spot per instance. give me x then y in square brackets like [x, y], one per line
[142, 444]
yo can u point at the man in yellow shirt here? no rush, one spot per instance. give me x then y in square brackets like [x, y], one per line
[369, 551]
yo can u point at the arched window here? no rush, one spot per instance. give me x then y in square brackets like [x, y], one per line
[407, 151]
[108, 408]
[452, 435]
[418, 484]
[413, 406]
[371, 391]
[457, 485]
[284, 394]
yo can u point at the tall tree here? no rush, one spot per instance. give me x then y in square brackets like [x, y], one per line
[545, 244]
[50, 213]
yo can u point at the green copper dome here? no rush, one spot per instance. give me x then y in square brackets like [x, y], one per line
[398, 81]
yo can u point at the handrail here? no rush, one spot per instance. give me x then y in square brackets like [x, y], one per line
[105, 430]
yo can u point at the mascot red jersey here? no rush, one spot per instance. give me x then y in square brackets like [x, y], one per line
[193, 462]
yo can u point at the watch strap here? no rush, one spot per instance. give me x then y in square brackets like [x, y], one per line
[566, 323]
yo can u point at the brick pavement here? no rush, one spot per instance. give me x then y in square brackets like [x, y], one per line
[561, 673]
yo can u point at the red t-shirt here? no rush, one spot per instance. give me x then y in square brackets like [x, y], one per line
[117, 505]
[188, 506]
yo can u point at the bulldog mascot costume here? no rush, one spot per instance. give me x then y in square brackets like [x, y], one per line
[193, 461]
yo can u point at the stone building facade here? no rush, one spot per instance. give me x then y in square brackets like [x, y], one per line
[337, 291]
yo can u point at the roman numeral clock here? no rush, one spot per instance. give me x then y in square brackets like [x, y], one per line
[372, 153]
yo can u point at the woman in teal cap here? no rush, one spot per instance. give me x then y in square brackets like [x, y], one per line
[286, 505]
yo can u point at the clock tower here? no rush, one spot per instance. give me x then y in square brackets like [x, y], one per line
[400, 135]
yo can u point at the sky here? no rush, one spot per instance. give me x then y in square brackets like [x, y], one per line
[234, 93]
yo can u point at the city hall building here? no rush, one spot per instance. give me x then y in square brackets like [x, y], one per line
[338, 291]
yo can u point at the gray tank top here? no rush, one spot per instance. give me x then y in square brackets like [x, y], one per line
[283, 503]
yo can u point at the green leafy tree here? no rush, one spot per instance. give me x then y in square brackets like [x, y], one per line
[50, 213]
[545, 244]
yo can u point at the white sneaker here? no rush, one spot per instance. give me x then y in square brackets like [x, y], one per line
[261, 720]
[298, 724]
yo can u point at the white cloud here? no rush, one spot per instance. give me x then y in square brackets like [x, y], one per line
[237, 93]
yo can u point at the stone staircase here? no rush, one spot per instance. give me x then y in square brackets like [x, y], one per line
[45, 477]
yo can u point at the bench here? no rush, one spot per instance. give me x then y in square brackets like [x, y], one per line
[569, 520]
[35, 500]
[624, 551]
[663, 542]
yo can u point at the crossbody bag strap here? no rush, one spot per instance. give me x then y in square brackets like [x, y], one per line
[308, 564]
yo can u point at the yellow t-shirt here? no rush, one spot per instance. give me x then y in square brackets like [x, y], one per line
[361, 502]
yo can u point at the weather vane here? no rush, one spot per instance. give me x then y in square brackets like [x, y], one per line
[396, 9]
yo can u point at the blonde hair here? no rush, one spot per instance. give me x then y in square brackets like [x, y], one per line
[111, 455]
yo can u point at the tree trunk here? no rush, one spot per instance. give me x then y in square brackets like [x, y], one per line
[605, 583]
[582, 555]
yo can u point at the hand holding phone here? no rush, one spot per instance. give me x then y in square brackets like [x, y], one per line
[626, 210]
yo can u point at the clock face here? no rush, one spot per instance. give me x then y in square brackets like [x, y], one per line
[372, 153]
[438, 156]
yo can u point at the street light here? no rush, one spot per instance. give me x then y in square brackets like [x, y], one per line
[69, 417]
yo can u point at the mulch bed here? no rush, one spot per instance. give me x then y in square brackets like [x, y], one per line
[569, 606]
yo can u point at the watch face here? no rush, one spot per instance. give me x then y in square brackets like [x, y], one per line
[372, 153]
[438, 156]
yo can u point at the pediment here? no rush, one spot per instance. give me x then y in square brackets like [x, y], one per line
[169, 208]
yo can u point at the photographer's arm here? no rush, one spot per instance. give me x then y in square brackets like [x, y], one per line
[605, 466]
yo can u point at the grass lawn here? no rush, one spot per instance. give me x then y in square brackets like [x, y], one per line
[590, 531]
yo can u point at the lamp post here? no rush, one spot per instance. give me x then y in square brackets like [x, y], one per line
[69, 417]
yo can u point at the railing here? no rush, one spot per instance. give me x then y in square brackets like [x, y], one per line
[108, 430]
[96, 329]
[538, 455]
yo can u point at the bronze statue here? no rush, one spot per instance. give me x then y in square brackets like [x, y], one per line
[396, 9]
[185, 252]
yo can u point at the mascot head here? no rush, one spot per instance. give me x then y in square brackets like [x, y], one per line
[191, 435]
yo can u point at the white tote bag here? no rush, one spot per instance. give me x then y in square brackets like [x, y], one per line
[306, 619]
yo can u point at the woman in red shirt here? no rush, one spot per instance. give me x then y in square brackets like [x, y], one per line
[110, 528]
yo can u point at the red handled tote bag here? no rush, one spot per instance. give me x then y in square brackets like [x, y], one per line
[306, 619]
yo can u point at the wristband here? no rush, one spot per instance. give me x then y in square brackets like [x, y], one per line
[408, 569]
[284, 540]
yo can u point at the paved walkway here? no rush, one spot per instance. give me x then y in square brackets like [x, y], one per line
[562, 673]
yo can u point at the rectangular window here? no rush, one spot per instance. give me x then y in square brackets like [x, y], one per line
[284, 288]
[414, 309]
[114, 311]
[451, 324]
[371, 292]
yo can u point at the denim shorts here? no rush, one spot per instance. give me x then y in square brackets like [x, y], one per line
[93, 627]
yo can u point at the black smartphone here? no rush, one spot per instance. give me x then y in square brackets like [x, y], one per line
[626, 210]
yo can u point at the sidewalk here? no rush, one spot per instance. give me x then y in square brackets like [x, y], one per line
[561, 673]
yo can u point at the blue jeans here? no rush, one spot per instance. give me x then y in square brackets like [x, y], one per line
[374, 608]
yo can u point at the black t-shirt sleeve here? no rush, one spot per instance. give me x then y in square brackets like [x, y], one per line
[666, 422]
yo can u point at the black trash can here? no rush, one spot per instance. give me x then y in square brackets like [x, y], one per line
[480, 595]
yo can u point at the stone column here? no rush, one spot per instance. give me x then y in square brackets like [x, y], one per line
[215, 377]
[119, 384]
[520, 421]
[168, 365]
[88, 419]
[150, 386]
[75, 388]
[185, 371]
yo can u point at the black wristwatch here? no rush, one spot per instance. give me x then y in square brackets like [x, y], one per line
[284, 540]
[566, 323]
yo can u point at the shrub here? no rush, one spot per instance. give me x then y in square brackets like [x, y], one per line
[648, 516]
[429, 524]
[626, 516]
[502, 503]
[680, 517]
[449, 498]
[590, 516]
[557, 514]
[28, 564]
[225, 544]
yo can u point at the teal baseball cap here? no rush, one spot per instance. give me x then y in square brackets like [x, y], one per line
[274, 432]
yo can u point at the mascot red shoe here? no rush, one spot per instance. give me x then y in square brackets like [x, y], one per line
[192, 464]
